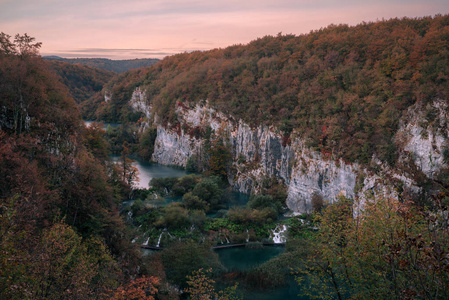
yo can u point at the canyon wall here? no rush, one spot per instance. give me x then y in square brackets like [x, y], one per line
[263, 152]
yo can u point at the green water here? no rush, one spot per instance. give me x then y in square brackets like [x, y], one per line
[243, 259]
[148, 171]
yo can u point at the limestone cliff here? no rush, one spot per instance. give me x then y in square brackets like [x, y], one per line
[263, 152]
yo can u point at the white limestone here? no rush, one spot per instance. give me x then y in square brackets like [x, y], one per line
[259, 153]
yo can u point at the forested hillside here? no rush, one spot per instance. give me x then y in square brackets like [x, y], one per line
[117, 66]
[343, 89]
[320, 112]
[83, 81]
[61, 235]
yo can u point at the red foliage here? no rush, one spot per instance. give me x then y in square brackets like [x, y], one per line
[196, 132]
[181, 105]
[140, 288]
[177, 128]
[286, 140]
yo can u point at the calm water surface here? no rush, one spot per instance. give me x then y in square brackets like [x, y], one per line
[148, 171]
[243, 258]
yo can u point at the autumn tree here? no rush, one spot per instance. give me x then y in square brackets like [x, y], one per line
[143, 288]
[391, 250]
[22, 45]
[128, 170]
[95, 142]
[48, 174]
[220, 153]
[202, 287]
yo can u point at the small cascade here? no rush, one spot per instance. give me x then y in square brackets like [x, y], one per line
[134, 240]
[227, 241]
[279, 234]
[160, 237]
[247, 236]
[146, 242]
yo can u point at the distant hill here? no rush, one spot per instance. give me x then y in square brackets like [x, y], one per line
[117, 66]
[83, 81]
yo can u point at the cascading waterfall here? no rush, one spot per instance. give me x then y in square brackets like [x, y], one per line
[160, 237]
[247, 236]
[279, 234]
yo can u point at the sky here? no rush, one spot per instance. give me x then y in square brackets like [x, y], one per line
[127, 29]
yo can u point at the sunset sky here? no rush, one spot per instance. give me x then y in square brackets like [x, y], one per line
[156, 28]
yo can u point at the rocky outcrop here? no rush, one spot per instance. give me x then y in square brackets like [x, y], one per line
[423, 135]
[171, 148]
[326, 179]
[138, 102]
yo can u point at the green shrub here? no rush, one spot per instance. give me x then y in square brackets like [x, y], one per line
[181, 258]
[174, 216]
[194, 202]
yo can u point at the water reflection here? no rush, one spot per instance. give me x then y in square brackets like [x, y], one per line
[244, 258]
[105, 125]
[148, 171]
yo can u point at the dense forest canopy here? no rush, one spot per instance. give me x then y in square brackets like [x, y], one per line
[116, 66]
[343, 89]
[83, 81]
[60, 229]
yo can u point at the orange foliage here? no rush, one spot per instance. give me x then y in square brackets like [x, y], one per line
[138, 289]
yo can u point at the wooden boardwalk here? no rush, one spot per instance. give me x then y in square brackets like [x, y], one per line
[213, 247]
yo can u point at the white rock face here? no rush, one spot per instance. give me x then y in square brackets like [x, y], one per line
[314, 176]
[139, 102]
[107, 96]
[173, 149]
[263, 144]
[424, 138]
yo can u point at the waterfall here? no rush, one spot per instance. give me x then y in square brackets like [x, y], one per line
[247, 236]
[146, 242]
[279, 234]
[159, 240]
